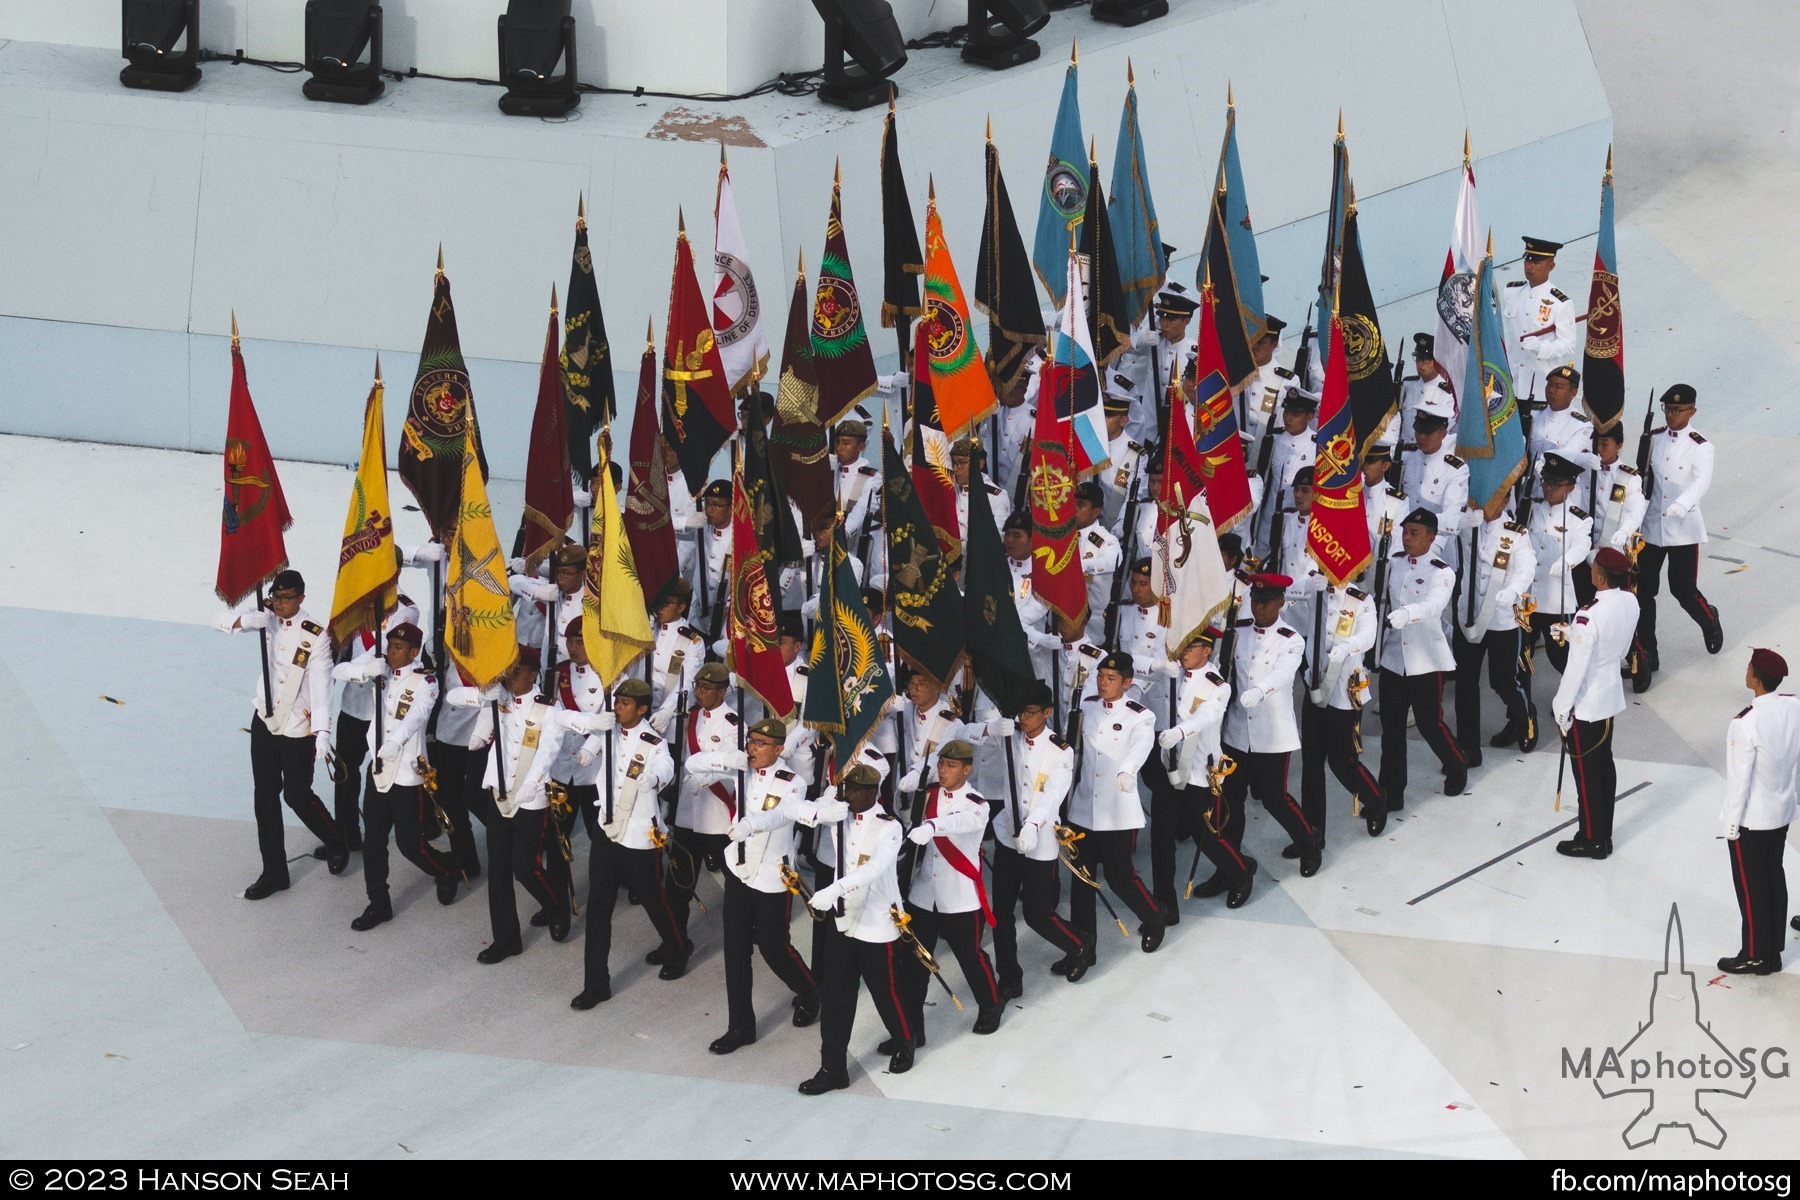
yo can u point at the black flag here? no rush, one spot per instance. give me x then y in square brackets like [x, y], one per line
[1004, 290]
[1109, 329]
[586, 358]
[1372, 393]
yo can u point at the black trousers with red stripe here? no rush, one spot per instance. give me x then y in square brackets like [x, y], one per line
[1596, 779]
[850, 961]
[1684, 585]
[459, 770]
[1265, 777]
[1761, 886]
[518, 847]
[1170, 824]
[1106, 854]
[1334, 736]
[608, 863]
[1423, 695]
[350, 742]
[281, 770]
[681, 885]
[759, 919]
[1502, 649]
[404, 811]
[1014, 878]
[962, 932]
[1211, 816]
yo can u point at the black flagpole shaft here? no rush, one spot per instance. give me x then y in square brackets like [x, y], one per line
[262, 642]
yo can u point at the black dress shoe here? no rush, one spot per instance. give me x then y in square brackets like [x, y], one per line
[1171, 914]
[825, 1081]
[1794, 924]
[265, 887]
[337, 860]
[714, 862]
[1013, 990]
[540, 918]
[1066, 963]
[1751, 966]
[891, 1046]
[1640, 680]
[806, 1009]
[321, 852]
[472, 870]
[1374, 817]
[1582, 848]
[731, 1040]
[559, 928]
[1083, 961]
[375, 914]
[1509, 733]
[591, 996]
[1456, 780]
[988, 1019]
[1238, 897]
[1714, 633]
[1217, 885]
[1312, 860]
[902, 1060]
[1528, 739]
[1396, 803]
[446, 888]
[1291, 851]
[674, 967]
[498, 953]
[1652, 661]
[1471, 758]
[1151, 933]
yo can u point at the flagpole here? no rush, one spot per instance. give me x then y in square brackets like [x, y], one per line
[262, 634]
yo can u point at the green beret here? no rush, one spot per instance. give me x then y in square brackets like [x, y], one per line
[861, 775]
[714, 672]
[771, 727]
[633, 689]
[958, 751]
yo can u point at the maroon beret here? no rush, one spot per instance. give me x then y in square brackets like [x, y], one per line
[1769, 664]
[1612, 560]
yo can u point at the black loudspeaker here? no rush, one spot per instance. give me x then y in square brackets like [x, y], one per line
[1000, 32]
[337, 33]
[534, 36]
[865, 31]
[1129, 12]
[149, 30]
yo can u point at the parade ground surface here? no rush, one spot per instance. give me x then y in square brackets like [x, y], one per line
[1421, 995]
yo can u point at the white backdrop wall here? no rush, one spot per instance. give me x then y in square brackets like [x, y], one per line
[132, 224]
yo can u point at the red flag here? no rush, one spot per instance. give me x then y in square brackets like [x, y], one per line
[934, 480]
[251, 548]
[647, 526]
[754, 652]
[549, 496]
[1337, 536]
[1056, 577]
[698, 417]
[1217, 446]
[1183, 473]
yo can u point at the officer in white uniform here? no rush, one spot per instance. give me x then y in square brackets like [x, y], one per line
[356, 709]
[715, 547]
[1616, 497]
[1415, 657]
[1561, 536]
[969, 473]
[1540, 321]
[1762, 753]
[1331, 709]
[561, 593]
[1681, 471]
[1384, 502]
[1292, 559]
[1436, 479]
[1561, 428]
[675, 660]
[1117, 735]
[1101, 557]
[285, 738]
[1415, 388]
[1504, 570]
[1159, 355]
[1124, 476]
[1196, 758]
[1033, 615]
[1076, 667]
[1293, 448]
[1591, 695]
[858, 484]
[706, 799]
[1260, 398]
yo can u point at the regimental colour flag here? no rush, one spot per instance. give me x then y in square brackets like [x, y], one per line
[959, 381]
[1056, 577]
[1603, 362]
[368, 570]
[1373, 397]
[1069, 382]
[549, 495]
[1456, 289]
[1217, 446]
[251, 547]
[1229, 260]
[586, 357]
[698, 417]
[440, 419]
[737, 311]
[483, 640]
[902, 262]
[1331, 269]
[1137, 238]
[992, 631]
[922, 595]
[797, 439]
[1494, 448]
[1337, 535]
[1188, 575]
[848, 685]
[1003, 288]
[1064, 198]
[647, 524]
[753, 646]
[1109, 333]
[615, 624]
[933, 474]
[843, 364]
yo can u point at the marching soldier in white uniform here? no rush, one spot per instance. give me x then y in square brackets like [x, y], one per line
[1561, 536]
[1384, 502]
[1486, 626]
[1076, 668]
[758, 906]
[1160, 355]
[1101, 557]
[715, 547]
[393, 798]
[1260, 398]
[1197, 766]
[706, 799]
[632, 764]
[1331, 709]
[968, 463]
[676, 658]
[1123, 479]
[1591, 695]
[553, 603]
[1540, 321]
[1415, 656]
[1762, 752]
[285, 738]
[1260, 732]
[685, 515]
[1561, 428]
[1436, 479]
[858, 484]
[1117, 735]
[1681, 471]
[1292, 559]
[1293, 448]
[927, 722]
[1144, 637]
[1416, 388]
[1616, 499]
[356, 709]
[1045, 642]
[1025, 848]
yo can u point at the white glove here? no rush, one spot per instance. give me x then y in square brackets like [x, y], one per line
[371, 669]
[1028, 838]
[253, 619]
[890, 383]
[659, 721]
[583, 499]
[429, 552]
[1558, 567]
[827, 811]
[920, 834]
[1618, 541]
[1340, 652]
[809, 608]
[734, 760]
[321, 743]
[1506, 598]
[225, 622]
[545, 592]
[1676, 510]
[1396, 620]
[1127, 782]
[463, 697]
[909, 782]
[1003, 727]
[1168, 739]
[1731, 833]
[1043, 639]
[516, 566]
[390, 750]
[604, 722]
[738, 832]
[1565, 718]
[1252, 697]
[585, 757]
[826, 896]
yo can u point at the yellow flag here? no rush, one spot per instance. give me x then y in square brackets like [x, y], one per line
[368, 575]
[615, 626]
[482, 639]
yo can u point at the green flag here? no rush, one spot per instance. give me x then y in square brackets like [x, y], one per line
[996, 638]
[922, 595]
[849, 685]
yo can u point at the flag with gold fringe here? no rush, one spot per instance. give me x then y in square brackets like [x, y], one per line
[483, 640]
[753, 646]
[615, 625]
[1337, 535]
[549, 497]
[251, 547]
[959, 380]
[368, 572]
[849, 685]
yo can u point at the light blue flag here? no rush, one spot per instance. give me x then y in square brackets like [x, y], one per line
[1246, 271]
[1064, 201]
[1494, 448]
[1132, 213]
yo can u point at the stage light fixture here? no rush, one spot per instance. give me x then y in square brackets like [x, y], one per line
[149, 31]
[534, 36]
[1000, 32]
[337, 33]
[863, 30]
[1129, 12]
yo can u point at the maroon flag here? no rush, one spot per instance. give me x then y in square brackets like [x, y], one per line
[1056, 577]
[647, 526]
[843, 364]
[698, 416]
[251, 548]
[797, 439]
[549, 497]
[754, 648]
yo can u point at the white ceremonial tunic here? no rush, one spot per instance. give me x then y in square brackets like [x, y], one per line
[1117, 736]
[1762, 755]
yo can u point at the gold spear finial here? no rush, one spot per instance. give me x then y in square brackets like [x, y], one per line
[553, 299]
[1466, 159]
[1340, 132]
[1609, 162]
[990, 130]
[893, 96]
[440, 269]
[580, 211]
[1074, 52]
[378, 369]
[649, 333]
[1490, 249]
[1130, 74]
[1091, 155]
[680, 223]
[802, 257]
[235, 340]
[931, 190]
[837, 173]
[1230, 102]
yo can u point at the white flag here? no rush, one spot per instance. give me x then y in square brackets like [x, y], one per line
[1456, 291]
[1189, 575]
[736, 310]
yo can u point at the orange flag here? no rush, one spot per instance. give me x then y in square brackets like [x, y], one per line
[959, 379]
